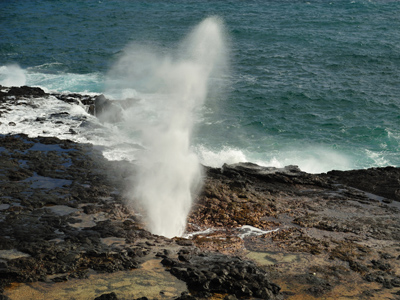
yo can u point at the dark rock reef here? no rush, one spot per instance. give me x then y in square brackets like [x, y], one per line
[255, 232]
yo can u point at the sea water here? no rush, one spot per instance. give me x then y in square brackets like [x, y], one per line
[310, 83]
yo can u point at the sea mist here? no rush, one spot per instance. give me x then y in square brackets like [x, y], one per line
[171, 86]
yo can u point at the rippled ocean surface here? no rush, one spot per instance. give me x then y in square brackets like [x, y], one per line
[310, 83]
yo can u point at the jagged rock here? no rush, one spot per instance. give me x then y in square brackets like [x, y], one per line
[26, 91]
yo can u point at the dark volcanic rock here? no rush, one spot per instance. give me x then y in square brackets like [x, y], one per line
[110, 296]
[318, 287]
[106, 110]
[26, 91]
[20, 174]
[384, 182]
[41, 193]
[217, 273]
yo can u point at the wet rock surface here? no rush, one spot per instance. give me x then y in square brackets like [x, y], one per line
[43, 217]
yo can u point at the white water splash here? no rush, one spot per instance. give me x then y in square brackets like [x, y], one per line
[12, 75]
[168, 171]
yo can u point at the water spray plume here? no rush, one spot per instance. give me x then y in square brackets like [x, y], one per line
[168, 171]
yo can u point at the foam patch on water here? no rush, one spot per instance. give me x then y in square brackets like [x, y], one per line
[319, 160]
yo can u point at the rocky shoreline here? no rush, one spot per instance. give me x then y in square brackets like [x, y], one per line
[63, 218]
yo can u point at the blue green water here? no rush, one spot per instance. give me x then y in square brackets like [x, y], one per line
[311, 83]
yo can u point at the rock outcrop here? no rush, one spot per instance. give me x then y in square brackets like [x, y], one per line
[105, 109]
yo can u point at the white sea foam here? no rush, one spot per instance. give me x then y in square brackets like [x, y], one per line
[217, 158]
[318, 159]
[377, 157]
[41, 117]
[309, 159]
[25, 116]
[124, 141]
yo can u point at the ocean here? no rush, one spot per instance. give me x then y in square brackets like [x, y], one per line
[308, 83]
